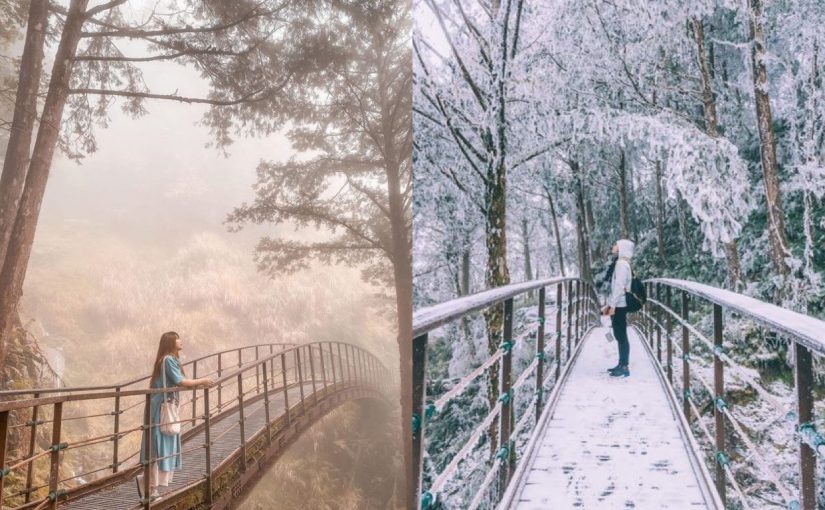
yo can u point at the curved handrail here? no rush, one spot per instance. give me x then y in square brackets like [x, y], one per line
[29, 391]
[309, 370]
[12, 405]
[806, 330]
[806, 335]
[583, 311]
[432, 317]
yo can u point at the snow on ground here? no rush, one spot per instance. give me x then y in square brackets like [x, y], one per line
[611, 443]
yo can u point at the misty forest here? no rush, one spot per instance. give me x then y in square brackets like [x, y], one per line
[545, 131]
[236, 171]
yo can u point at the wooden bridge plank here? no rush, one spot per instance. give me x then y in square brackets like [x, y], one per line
[611, 443]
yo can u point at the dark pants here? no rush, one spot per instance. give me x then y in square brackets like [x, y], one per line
[618, 322]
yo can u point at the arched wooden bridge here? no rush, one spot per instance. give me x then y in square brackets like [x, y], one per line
[679, 433]
[81, 445]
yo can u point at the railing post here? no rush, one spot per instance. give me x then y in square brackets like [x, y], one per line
[505, 397]
[266, 402]
[312, 374]
[220, 384]
[54, 469]
[803, 372]
[257, 373]
[194, 394]
[540, 355]
[347, 351]
[685, 356]
[332, 365]
[240, 357]
[419, 388]
[558, 329]
[115, 438]
[578, 312]
[569, 315]
[669, 333]
[147, 449]
[719, 388]
[241, 421]
[658, 323]
[340, 362]
[286, 389]
[323, 365]
[32, 444]
[207, 429]
[300, 377]
[651, 326]
[4, 436]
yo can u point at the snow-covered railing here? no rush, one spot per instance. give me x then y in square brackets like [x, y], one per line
[581, 308]
[807, 338]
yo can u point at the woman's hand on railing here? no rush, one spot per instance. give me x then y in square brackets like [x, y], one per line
[206, 382]
[203, 382]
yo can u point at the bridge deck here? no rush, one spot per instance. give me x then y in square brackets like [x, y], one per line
[611, 443]
[125, 495]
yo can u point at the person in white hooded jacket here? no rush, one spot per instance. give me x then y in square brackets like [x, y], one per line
[617, 306]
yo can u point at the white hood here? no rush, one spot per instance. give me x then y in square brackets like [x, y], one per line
[625, 248]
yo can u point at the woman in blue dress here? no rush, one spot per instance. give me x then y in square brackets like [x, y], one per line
[165, 449]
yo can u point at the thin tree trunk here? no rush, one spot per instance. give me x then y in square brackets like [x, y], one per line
[20, 244]
[581, 226]
[465, 269]
[712, 128]
[683, 230]
[660, 215]
[16, 161]
[525, 244]
[767, 144]
[555, 219]
[623, 194]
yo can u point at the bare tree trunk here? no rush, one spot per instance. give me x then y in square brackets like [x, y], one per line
[555, 219]
[16, 161]
[660, 215]
[497, 272]
[581, 226]
[22, 237]
[712, 128]
[465, 269]
[779, 249]
[683, 230]
[623, 194]
[591, 226]
[525, 245]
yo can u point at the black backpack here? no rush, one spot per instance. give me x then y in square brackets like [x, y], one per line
[637, 297]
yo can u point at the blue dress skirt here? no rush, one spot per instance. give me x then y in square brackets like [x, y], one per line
[166, 448]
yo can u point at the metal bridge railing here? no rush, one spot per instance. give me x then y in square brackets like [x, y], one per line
[806, 335]
[576, 310]
[82, 456]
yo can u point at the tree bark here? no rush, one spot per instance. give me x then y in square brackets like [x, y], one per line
[779, 249]
[16, 161]
[623, 195]
[660, 216]
[585, 261]
[20, 243]
[555, 219]
[712, 129]
[525, 244]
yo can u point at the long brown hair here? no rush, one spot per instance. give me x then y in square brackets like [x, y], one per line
[168, 347]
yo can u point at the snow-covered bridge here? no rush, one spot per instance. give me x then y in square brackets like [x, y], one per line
[691, 427]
